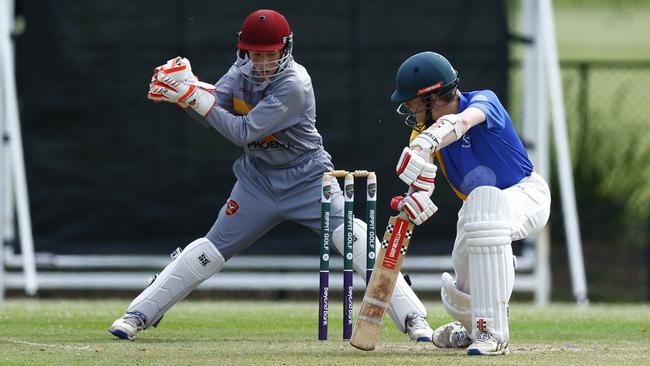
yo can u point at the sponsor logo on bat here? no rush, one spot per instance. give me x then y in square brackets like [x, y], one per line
[393, 250]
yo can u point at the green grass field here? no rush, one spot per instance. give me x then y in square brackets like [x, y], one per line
[284, 333]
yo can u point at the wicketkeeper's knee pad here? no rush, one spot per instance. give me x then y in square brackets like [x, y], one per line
[359, 231]
[457, 303]
[195, 264]
[491, 268]
[404, 301]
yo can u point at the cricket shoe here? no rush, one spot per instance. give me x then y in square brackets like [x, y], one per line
[451, 335]
[486, 344]
[128, 325]
[418, 328]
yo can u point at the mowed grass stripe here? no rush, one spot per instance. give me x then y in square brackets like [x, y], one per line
[284, 333]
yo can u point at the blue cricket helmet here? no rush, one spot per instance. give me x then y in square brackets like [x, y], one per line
[422, 74]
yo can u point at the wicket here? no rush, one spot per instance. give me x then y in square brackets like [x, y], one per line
[348, 235]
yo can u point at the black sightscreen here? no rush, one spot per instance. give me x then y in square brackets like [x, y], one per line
[112, 172]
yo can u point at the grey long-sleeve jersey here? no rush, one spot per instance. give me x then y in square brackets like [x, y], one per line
[273, 122]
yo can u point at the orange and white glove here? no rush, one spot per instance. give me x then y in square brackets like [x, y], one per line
[180, 69]
[164, 88]
[418, 206]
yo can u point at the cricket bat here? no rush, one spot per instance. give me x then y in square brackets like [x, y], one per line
[382, 282]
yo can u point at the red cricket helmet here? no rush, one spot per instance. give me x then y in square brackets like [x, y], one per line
[264, 30]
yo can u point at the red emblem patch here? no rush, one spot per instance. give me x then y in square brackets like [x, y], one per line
[480, 324]
[231, 207]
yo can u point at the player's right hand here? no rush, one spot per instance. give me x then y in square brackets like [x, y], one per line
[418, 206]
[180, 69]
[167, 89]
[426, 180]
[415, 171]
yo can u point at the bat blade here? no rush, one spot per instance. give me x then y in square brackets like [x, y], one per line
[382, 283]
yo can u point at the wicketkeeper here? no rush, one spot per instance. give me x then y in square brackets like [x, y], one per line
[265, 104]
[471, 136]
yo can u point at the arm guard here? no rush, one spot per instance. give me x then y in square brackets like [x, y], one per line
[432, 138]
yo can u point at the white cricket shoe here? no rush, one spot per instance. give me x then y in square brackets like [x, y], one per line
[128, 325]
[451, 335]
[418, 328]
[486, 344]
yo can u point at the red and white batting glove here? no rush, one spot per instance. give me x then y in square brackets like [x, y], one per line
[409, 166]
[415, 171]
[426, 180]
[418, 206]
[164, 88]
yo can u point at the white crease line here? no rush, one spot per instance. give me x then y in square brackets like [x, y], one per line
[45, 344]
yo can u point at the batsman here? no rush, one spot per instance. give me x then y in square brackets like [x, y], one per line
[264, 104]
[471, 136]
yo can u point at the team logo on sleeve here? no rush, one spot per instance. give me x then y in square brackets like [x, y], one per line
[480, 98]
[231, 207]
[466, 142]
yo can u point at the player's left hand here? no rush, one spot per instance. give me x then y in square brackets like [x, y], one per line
[167, 89]
[180, 69]
[418, 206]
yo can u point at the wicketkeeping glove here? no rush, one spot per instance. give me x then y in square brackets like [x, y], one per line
[167, 89]
[180, 69]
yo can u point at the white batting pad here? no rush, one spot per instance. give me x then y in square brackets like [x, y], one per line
[198, 262]
[457, 303]
[404, 301]
[491, 268]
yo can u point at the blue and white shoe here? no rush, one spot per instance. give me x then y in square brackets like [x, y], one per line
[486, 345]
[418, 328]
[128, 326]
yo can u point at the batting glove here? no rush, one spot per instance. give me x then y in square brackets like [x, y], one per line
[415, 171]
[426, 140]
[167, 89]
[425, 181]
[409, 166]
[418, 206]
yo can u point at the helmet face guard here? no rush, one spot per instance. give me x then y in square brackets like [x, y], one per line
[429, 97]
[256, 71]
[264, 31]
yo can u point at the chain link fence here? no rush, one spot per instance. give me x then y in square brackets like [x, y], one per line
[607, 108]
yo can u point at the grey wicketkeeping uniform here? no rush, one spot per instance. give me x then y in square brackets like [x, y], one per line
[279, 176]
